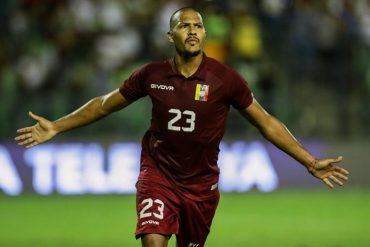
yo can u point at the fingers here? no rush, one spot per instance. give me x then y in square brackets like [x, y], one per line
[29, 129]
[27, 141]
[327, 162]
[334, 177]
[341, 170]
[22, 137]
[341, 176]
[27, 138]
[335, 180]
[327, 182]
[35, 117]
[339, 159]
[32, 144]
[24, 130]
[336, 160]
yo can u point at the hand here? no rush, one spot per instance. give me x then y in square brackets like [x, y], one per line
[328, 172]
[41, 132]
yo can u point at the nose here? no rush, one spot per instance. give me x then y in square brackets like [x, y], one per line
[192, 30]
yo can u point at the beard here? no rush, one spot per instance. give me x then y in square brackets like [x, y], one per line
[187, 54]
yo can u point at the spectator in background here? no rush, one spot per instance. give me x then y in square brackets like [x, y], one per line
[161, 19]
[247, 35]
[66, 43]
[218, 33]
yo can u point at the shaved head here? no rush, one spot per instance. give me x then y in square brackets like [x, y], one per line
[187, 32]
[175, 16]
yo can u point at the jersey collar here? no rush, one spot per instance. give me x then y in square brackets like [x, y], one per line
[199, 74]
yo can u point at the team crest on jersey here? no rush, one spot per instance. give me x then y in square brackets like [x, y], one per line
[201, 92]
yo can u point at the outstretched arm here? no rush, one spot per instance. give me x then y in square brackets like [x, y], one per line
[92, 111]
[277, 133]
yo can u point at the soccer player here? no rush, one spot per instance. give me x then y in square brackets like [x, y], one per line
[191, 94]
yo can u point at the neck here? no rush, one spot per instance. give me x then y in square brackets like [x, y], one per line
[188, 65]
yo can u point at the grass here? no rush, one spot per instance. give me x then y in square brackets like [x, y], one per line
[299, 218]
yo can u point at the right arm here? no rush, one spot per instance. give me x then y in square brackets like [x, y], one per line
[92, 111]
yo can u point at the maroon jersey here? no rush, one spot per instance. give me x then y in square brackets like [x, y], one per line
[188, 121]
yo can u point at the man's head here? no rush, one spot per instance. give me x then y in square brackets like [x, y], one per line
[187, 32]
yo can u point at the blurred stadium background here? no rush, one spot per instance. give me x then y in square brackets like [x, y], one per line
[307, 61]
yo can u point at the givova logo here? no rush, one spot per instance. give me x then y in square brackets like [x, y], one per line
[193, 245]
[161, 87]
[153, 222]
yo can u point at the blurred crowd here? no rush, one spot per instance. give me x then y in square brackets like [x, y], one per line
[307, 61]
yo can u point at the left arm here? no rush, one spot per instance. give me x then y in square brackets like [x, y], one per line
[278, 134]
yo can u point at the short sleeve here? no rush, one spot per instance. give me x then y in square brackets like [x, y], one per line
[239, 93]
[134, 87]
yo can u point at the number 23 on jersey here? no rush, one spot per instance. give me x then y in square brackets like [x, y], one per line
[189, 117]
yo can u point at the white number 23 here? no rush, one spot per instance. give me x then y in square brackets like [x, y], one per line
[190, 119]
[149, 204]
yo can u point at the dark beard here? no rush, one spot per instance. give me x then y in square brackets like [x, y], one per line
[187, 55]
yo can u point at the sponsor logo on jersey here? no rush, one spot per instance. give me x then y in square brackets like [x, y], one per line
[162, 87]
[193, 245]
[151, 222]
[201, 92]
[214, 186]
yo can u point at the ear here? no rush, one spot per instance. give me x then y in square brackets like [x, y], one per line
[170, 36]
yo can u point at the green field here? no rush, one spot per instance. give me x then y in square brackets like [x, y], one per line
[301, 218]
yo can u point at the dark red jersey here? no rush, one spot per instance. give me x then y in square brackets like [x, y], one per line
[188, 121]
